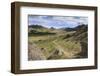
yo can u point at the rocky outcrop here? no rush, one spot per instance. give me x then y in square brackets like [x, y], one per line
[35, 53]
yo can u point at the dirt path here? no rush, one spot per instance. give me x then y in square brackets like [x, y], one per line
[61, 50]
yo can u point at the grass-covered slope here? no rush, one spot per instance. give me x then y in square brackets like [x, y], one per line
[57, 43]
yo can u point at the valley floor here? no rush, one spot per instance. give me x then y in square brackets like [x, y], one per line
[49, 47]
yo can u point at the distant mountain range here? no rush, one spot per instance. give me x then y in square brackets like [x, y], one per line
[75, 28]
[66, 28]
[35, 26]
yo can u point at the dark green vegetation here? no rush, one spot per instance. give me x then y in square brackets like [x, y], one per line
[50, 43]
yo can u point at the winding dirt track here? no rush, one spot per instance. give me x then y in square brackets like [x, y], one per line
[61, 50]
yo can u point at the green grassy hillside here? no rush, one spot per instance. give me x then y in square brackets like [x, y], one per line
[57, 43]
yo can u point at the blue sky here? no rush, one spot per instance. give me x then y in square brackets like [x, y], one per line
[57, 21]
